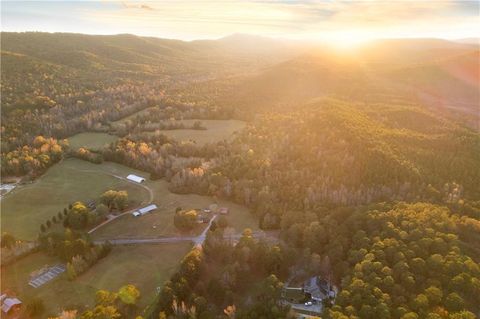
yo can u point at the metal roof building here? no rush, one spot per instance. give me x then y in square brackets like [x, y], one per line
[144, 210]
[10, 303]
[136, 178]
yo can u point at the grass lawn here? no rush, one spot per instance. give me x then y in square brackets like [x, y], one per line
[160, 222]
[90, 140]
[217, 130]
[26, 207]
[56, 294]
[145, 266]
[132, 116]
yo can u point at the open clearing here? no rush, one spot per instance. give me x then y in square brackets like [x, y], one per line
[217, 130]
[128, 226]
[26, 207]
[160, 222]
[90, 140]
[124, 265]
[131, 116]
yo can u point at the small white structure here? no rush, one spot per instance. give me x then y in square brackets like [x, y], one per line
[136, 178]
[10, 303]
[144, 210]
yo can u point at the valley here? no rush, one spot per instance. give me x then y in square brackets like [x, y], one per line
[214, 178]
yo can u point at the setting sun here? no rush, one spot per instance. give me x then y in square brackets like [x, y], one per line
[348, 39]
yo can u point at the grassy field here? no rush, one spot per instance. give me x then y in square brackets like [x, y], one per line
[124, 265]
[217, 130]
[126, 118]
[26, 207]
[160, 222]
[92, 141]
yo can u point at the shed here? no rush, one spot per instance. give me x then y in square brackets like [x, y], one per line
[10, 303]
[223, 210]
[144, 210]
[136, 178]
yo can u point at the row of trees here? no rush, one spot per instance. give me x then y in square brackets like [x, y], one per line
[33, 159]
[69, 244]
[87, 155]
[79, 216]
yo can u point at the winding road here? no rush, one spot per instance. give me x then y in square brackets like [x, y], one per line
[110, 219]
[197, 240]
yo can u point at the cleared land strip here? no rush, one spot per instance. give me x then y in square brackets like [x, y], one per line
[198, 240]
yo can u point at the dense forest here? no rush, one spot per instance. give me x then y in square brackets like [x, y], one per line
[360, 153]
[366, 167]
[393, 261]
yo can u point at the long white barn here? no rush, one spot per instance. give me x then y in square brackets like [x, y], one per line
[144, 210]
[136, 178]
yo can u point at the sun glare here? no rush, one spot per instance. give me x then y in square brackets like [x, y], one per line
[348, 40]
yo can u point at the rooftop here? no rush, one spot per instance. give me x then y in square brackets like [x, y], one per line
[135, 178]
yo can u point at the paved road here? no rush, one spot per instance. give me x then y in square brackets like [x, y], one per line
[197, 240]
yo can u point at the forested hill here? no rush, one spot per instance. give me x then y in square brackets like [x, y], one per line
[441, 75]
[130, 54]
[39, 64]
[343, 153]
[59, 84]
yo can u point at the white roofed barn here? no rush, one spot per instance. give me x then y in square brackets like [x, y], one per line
[135, 178]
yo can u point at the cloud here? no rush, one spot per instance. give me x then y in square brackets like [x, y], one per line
[278, 18]
[144, 6]
[130, 5]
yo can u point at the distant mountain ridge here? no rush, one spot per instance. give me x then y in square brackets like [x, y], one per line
[265, 72]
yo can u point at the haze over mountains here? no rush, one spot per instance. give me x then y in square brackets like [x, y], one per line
[418, 69]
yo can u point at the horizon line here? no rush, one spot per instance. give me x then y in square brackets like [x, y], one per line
[319, 40]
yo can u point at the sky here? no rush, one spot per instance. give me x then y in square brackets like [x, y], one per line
[336, 21]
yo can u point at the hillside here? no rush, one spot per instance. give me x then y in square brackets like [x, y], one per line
[132, 54]
[346, 153]
[451, 83]
[439, 74]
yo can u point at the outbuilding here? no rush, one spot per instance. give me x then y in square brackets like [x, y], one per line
[10, 304]
[136, 178]
[144, 210]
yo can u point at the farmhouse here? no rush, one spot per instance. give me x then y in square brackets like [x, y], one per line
[9, 304]
[136, 178]
[320, 289]
[144, 210]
